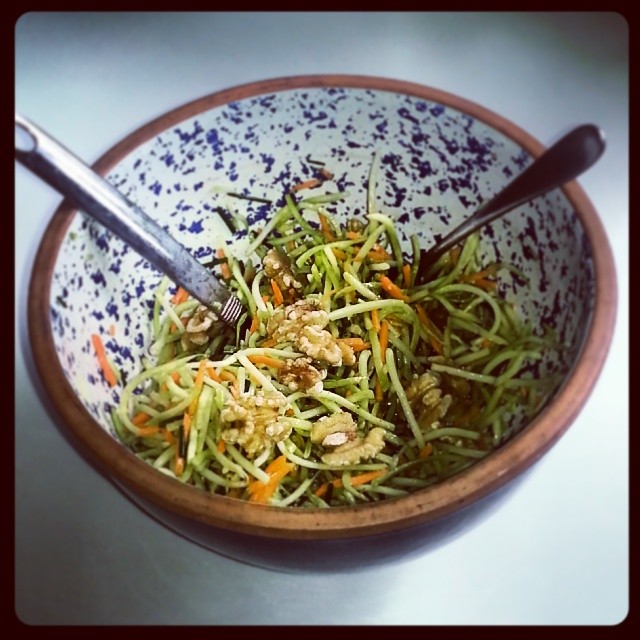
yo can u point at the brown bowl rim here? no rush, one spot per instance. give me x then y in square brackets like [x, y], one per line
[417, 508]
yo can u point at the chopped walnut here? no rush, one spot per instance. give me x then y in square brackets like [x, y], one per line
[199, 328]
[338, 431]
[277, 266]
[422, 384]
[320, 345]
[459, 386]
[302, 324]
[338, 422]
[427, 401]
[356, 450]
[299, 373]
[356, 225]
[255, 422]
[286, 322]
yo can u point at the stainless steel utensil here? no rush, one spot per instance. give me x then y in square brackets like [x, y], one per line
[91, 193]
[563, 161]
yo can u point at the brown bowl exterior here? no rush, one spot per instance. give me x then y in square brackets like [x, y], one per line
[396, 527]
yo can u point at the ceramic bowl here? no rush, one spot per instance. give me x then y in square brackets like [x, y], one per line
[440, 157]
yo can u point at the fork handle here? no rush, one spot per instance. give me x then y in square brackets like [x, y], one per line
[91, 193]
[572, 154]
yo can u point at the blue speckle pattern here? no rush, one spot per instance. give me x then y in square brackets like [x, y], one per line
[436, 165]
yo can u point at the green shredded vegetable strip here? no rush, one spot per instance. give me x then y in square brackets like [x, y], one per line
[424, 381]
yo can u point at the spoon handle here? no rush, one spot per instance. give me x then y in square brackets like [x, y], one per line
[570, 156]
[91, 193]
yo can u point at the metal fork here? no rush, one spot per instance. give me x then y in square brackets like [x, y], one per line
[91, 193]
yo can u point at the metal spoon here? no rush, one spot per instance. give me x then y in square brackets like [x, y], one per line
[570, 156]
[91, 193]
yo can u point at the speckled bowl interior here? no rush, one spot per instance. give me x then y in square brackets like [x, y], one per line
[439, 158]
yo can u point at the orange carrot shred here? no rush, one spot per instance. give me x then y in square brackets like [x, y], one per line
[173, 327]
[148, 431]
[186, 424]
[422, 315]
[379, 254]
[199, 382]
[363, 478]
[200, 375]
[406, 274]
[357, 344]
[255, 323]
[224, 267]
[278, 298]
[178, 466]
[266, 360]
[140, 418]
[213, 374]
[483, 283]
[103, 361]
[230, 377]
[269, 342]
[426, 451]
[221, 446]
[375, 320]
[326, 228]
[480, 278]
[393, 289]
[307, 184]
[384, 339]
[277, 469]
[179, 296]
[377, 391]
[327, 175]
[470, 277]
[339, 253]
[353, 235]
[436, 344]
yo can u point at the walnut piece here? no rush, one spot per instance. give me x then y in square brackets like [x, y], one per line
[319, 344]
[299, 373]
[339, 430]
[356, 450]
[199, 328]
[277, 266]
[255, 422]
[302, 324]
[338, 422]
[356, 225]
[427, 401]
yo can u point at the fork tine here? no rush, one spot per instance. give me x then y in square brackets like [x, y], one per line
[231, 311]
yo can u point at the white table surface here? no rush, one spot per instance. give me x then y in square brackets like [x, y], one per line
[555, 553]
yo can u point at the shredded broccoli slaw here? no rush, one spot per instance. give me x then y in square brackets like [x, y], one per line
[345, 382]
